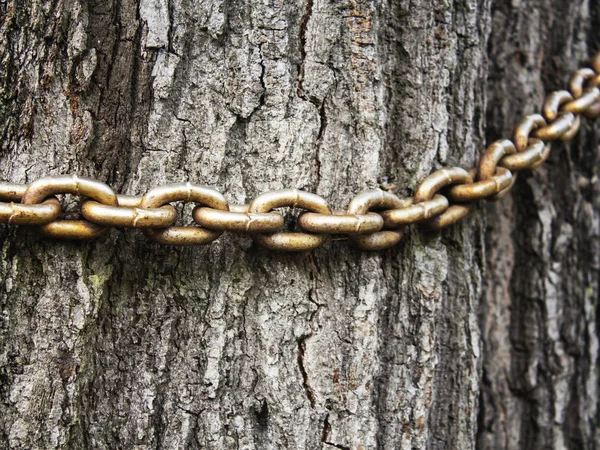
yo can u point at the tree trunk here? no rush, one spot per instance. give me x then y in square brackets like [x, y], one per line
[477, 336]
[539, 316]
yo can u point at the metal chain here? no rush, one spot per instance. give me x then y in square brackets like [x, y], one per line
[374, 219]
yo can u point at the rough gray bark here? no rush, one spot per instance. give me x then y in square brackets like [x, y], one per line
[539, 313]
[122, 343]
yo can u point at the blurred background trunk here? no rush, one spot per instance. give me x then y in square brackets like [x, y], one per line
[483, 335]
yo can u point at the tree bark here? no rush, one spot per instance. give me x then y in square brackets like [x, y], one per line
[482, 335]
[539, 313]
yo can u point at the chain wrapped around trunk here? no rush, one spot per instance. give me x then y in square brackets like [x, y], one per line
[374, 220]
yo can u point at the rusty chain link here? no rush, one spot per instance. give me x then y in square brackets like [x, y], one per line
[374, 220]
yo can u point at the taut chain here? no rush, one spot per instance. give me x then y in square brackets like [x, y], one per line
[374, 219]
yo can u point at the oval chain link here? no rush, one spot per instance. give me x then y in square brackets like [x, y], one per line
[160, 196]
[374, 219]
[43, 188]
[238, 219]
[438, 180]
[293, 198]
[365, 202]
[128, 213]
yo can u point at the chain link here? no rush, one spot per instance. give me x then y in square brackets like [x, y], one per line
[293, 198]
[162, 195]
[378, 200]
[374, 220]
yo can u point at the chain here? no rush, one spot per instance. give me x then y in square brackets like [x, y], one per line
[374, 220]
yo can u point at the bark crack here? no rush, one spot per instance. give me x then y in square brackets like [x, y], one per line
[262, 416]
[326, 429]
[170, 31]
[320, 104]
[263, 71]
[310, 394]
[302, 37]
[325, 435]
[332, 444]
[313, 294]
[322, 128]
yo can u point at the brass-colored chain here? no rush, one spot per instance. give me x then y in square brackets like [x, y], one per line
[374, 220]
